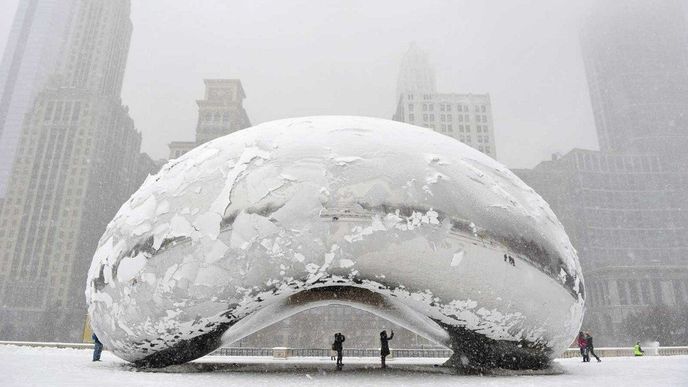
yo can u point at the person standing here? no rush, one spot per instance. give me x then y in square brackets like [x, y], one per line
[637, 351]
[97, 347]
[384, 346]
[339, 348]
[589, 347]
[583, 346]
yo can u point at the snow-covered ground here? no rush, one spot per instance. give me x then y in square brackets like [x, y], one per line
[24, 366]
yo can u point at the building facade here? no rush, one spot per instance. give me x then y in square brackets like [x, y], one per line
[624, 206]
[78, 160]
[465, 117]
[623, 214]
[37, 36]
[636, 55]
[221, 112]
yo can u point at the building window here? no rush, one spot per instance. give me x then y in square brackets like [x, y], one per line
[634, 292]
[410, 106]
[678, 292]
[425, 117]
[487, 149]
[76, 110]
[411, 117]
[48, 111]
[461, 128]
[449, 127]
[482, 108]
[443, 117]
[425, 107]
[645, 291]
[478, 128]
[657, 290]
[431, 107]
[621, 289]
[58, 112]
[432, 116]
[441, 107]
[449, 117]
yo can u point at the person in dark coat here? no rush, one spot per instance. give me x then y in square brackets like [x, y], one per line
[337, 346]
[589, 347]
[384, 346]
[583, 345]
[97, 347]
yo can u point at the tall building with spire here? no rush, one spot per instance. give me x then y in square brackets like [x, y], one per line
[36, 38]
[220, 112]
[416, 75]
[465, 117]
[77, 161]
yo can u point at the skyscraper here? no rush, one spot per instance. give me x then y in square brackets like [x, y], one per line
[416, 75]
[465, 117]
[636, 60]
[624, 207]
[77, 161]
[31, 55]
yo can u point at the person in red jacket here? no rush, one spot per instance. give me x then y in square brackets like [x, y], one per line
[583, 345]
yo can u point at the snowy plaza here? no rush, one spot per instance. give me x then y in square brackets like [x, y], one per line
[24, 366]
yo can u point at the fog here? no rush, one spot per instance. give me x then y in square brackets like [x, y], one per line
[302, 58]
[559, 73]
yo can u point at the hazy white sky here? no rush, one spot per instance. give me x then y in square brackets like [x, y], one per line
[300, 57]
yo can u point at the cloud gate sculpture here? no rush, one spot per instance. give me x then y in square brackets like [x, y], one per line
[398, 220]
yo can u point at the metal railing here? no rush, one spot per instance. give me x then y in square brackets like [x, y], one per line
[373, 352]
[322, 352]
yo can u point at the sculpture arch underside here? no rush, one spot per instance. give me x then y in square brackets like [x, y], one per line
[397, 220]
[471, 351]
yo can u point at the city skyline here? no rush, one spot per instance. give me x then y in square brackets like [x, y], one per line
[539, 97]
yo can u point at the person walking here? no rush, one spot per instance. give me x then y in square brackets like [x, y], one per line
[589, 347]
[384, 346]
[339, 348]
[637, 351]
[97, 347]
[583, 346]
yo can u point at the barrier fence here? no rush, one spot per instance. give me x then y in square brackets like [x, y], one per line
[284, 352]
